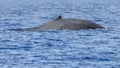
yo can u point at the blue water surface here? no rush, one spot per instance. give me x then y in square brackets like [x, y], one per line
[59, 48]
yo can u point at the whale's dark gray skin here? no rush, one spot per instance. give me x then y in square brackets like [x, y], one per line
[60, 24]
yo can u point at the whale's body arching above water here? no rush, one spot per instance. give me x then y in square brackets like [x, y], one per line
[61, 24]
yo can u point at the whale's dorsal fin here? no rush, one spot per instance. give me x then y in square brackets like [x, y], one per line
[59, 17]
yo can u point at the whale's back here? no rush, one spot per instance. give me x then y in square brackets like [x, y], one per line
[60, 24]
[73, 24]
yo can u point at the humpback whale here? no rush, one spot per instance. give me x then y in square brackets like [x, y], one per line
[59, 24]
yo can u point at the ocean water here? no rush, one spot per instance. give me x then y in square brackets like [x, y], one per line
[59, 48]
